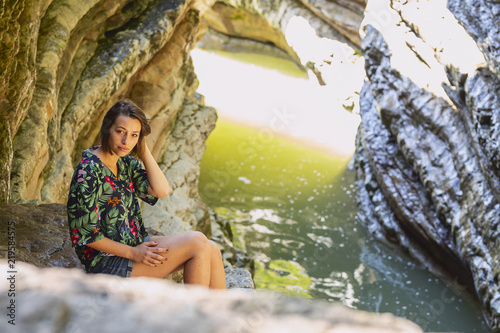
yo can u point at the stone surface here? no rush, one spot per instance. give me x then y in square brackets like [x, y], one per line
[215, 41]
[186, 144]
[67, 300]
[40, 233]
[19, 23]
[345, 16]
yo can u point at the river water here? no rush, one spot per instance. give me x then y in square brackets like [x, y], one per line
[288, 187]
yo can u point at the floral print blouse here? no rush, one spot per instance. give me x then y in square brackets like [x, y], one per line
[101, 204]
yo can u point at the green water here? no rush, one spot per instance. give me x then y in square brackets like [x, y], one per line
[294, 211]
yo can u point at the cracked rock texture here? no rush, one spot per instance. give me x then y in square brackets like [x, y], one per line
[427, 147]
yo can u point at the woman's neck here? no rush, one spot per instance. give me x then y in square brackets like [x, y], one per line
[110, 160]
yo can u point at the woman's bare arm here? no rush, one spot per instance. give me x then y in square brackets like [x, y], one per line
[158, 184]
[145, 252]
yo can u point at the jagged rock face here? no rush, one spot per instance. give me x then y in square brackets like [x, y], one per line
[427, 163]
[75, 302]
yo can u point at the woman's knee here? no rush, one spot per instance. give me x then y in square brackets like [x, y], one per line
[215, 250]
[198, 240]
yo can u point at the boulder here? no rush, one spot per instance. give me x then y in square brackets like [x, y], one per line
[56, 299]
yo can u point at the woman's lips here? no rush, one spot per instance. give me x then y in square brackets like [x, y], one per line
[123, 148]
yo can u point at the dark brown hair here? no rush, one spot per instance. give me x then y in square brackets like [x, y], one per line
[124, 108]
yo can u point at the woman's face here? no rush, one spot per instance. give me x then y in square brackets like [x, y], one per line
[124, 135]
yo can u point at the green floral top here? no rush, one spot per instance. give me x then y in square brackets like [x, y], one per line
[102, 205]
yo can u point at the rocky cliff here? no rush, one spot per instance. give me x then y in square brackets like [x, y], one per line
[67, 62]
[427, 156]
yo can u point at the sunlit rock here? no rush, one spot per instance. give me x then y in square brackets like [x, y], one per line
[101, 303]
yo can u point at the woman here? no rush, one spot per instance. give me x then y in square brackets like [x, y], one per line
[105, 220]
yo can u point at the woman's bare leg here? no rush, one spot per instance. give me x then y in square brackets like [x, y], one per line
[190, 251]
[217, 274]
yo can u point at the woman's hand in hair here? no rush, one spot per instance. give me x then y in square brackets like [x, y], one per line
[158, 184]
[142, 149]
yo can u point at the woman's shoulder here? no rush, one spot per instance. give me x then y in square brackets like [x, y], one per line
[88, 162]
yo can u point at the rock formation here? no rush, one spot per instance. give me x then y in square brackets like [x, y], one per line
[54, 300]
[427, 158]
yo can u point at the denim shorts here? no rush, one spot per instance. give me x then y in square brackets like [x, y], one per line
[115, 265]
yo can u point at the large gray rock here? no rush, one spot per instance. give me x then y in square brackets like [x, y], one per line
[89, 55]
[53, 300]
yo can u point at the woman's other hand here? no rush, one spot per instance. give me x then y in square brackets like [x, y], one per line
[147, 253]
